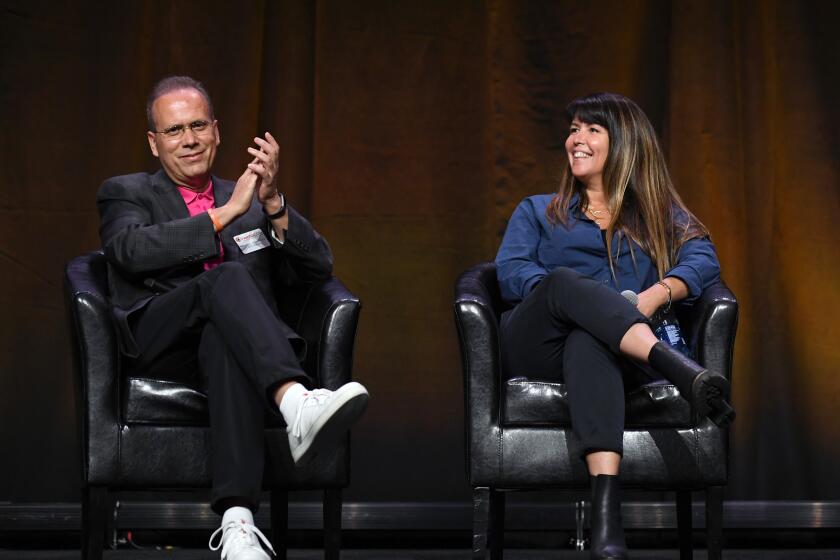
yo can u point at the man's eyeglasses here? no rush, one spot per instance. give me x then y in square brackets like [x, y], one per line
[177, 130]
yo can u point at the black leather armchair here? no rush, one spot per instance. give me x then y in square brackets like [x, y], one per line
[518, 432]
[142, 433]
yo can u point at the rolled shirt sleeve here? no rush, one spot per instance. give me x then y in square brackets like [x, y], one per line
[697, 266]
[517, 265]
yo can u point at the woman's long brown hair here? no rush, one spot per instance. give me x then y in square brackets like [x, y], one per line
[637, 186]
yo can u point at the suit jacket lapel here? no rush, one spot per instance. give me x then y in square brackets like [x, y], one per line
[171, 201]
[222, 191]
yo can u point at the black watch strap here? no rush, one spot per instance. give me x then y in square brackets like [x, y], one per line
[280, 213]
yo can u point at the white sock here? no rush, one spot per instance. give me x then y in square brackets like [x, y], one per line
[237, 513]
[290, 400]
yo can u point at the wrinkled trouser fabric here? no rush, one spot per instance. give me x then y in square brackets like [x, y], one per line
[221, 320]
[569, 329]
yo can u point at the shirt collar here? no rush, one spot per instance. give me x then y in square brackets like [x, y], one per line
[191, 196]
[574, 206]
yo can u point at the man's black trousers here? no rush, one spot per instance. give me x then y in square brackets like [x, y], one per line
[221, 318]
[569, 329]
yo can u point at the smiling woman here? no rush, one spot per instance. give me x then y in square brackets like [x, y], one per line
[616, 223]
[631, 188]
[587, 146]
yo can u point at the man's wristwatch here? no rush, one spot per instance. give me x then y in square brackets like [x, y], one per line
[280, 213]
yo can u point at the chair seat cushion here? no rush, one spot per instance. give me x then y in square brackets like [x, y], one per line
[530, 402]
[161, 401]
[167, 402]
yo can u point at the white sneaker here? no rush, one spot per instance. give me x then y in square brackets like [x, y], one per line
[324, 416]
[240, 541]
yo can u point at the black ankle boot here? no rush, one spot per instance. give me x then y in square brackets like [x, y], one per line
[706, 392]
[607, 533]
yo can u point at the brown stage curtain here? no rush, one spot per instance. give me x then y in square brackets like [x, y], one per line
[410, 131]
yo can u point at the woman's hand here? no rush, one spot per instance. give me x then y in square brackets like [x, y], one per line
[652, 299]
[658, 295]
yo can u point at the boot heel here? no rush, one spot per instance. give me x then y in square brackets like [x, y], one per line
[709, 397]
[722, 414]
[708, 393]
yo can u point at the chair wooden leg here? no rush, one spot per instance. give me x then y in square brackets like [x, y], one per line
[94, 521]
[497, 519]
[714, 522]
[488, 523]
[332, 523]
[481, 523]
[279, 522]
[684, 523]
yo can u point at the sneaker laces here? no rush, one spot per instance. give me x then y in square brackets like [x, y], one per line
[241, 535]
[312, 398]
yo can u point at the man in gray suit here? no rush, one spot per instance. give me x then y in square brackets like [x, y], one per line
[194, 262]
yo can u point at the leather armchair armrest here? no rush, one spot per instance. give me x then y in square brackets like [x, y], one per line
[477, 321]
[95, 360]
[710, 324]
[326, 315]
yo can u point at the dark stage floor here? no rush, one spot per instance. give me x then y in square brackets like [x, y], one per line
[426, 555]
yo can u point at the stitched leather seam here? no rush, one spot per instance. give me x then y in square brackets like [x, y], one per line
[696, 442]
[500, 403]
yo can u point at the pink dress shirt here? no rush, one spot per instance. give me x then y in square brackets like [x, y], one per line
[198, 202]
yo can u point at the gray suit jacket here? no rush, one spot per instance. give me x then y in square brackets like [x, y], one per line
[153, 245]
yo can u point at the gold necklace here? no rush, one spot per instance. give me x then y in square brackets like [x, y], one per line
[596, 213]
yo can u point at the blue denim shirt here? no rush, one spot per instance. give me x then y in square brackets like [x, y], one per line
[532, 247]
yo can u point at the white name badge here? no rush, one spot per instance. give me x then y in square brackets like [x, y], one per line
[251, 241]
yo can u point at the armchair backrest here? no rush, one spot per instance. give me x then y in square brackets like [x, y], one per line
[478, 306]
[328, 321]
[710, 324]
[95, 360]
